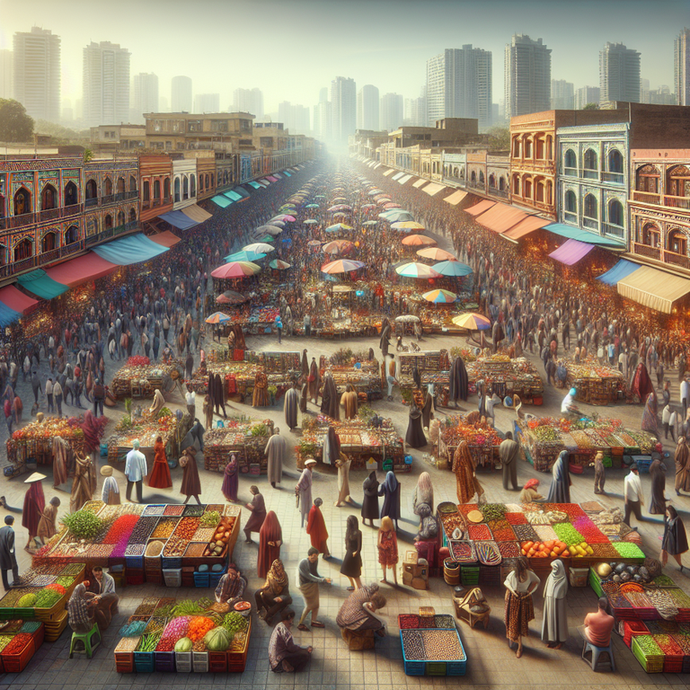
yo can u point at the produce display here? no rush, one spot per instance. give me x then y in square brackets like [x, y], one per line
[433, 367]
[595, 383]
[482, 439]
[507, 377]
[138, 378]
[245, 438]
[359, 371]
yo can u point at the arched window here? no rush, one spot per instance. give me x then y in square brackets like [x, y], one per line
[647, 179]
[481, 177]
[549, 147]
[192, 185]
[527, 188]
[72, 234]
[23, 250]
[108, 186]
[71, 194]
[22, 201]
[590, 159]
[201, 183]
[132, 215]
[91, 189]
[502, 183]
[516, 185]
[132, 183]
[570, 159]
[108, 222]
[570, 201]
[207, 182]
[615, 212]
[678, 182]
[473, 177]
[456, 172]
[121, 185]
[48, 198]
[147, 190]
[156, 189]
[539, 189]
[92, 225]
[213, 178]
[549, 192]
[651, 235]
[516, 147]
[185, 187]
[49, 242]
[120, 218]
[492, 181]
[615, 161]
[678, 242]
[539, 146]
[590, 207]
[177, 189]
[166, 188]
[528, 147]
[3, 254]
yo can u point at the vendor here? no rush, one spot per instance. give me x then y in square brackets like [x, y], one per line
[230, 587]
[102, 591]
[529, 493]
[568, 407]
[357, 617]
[81, 610]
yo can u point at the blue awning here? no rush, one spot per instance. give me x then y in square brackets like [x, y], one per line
[41, 284]
[584, 236]
[285, 172]
[7, 315]
[130, 250]
[256, 185]
[621, 270]
[180, 220]
[234, 196]
[221, 201]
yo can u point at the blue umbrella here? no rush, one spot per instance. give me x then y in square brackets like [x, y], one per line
[452, 268]
[244, 256]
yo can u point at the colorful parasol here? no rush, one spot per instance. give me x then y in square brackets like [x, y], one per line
[218, 317]
[280, 265]
[337, 246]
[440, 296]
[472, 322]
[259, 248]
[338, 227]
[245, 256]
[341, 266]
[231, 297]
[436, 254]
[452, 269]
[418, 241]
[408, 225]
[236, 269]
[415, 269]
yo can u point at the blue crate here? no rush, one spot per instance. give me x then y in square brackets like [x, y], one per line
[456, 668]
[414, 668]
[134, 562]
[435, 668]
[214, 578]
[202, 580]
[171, 563]
[144, 662]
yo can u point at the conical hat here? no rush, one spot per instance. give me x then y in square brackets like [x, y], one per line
[35, 477]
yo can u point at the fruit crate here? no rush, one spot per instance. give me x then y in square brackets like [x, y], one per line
[183, 662]
[172, 577]
[218, 662]
[16, 663]
[428, 667]
[200, 662]
[648, 653]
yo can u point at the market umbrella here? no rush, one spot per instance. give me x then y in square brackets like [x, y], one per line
[280, 265]
[472, 322]
[339, 207]
[436, 254]
[375, 191]
[276, 223]
[440, 296]
[259, 247]
[396, 214]
[310, 221]
[285, 216]
[407, 318]
[452, 268]
[236, 269]
[370, 223]
[312, 206]
[268, 229]
[338, 199]
[320, 196]
[407, 225]
[218, 317]
[341, 266]
[337, 246]
[391, 204]
[231, 297]
[245, 256]
[338, 227]
[367, 206]
[414, 269]
[418, 241]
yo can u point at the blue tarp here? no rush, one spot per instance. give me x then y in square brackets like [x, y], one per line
[7, 315]
[222, 201]
[583, 235]
[285, 172]
[129, 250]
[41, 284]
[242, 192]
[180, 220]
[231, 194]
[256, 185]
[621, 270]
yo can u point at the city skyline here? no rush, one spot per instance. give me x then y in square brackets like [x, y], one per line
[395, 64]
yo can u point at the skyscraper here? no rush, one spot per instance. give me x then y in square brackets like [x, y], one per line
[562, 94]
[249, 101]
[181, 95]
[343, 108]
[458, 84]
[587, 95]
[106, 84]
[207, 103]
[681, 67]
[36, 71]
[391, 112]
[144, 95]
[295, 118]
[527, 76]
[368, 107]
[619, 73]
[6, 74]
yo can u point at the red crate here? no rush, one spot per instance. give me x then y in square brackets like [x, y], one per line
[217, 662]
[16, 663]
[39, 636]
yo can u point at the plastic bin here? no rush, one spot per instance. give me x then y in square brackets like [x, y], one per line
[200, 662]
[173, 577]
[578, 577]
[183, 662]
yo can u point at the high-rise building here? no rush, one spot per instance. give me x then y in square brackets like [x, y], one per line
[562, 94]
[181, 95]
[391, 117]
[368, 107]
[527, 76]
[207, 103]
[619, 73]
[323, 120]
[458, 84]
[323, 94]
[343, 108]
[681, 67]
[144, 96]
[248, 101]
[6, 74]
[106, 84]
[587, 95]
[295, 118]
[36, 73]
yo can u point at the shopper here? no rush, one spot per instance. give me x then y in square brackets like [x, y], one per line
[303, 489]
[682, 461]
[8, 557]
[674, 540]
[554, 629]
[270, 541]
[316, 529]
[387, 545]
[352, 561]
[231, 480]
[136, 470]
[160, 473]
[309, 580]
[276, 453]
[257, 513]
[520, 584]
[632, 493]
[191, 484]
[559, 491]
[509, 452]
[274, 597]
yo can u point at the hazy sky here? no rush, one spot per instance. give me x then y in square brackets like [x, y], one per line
[292, 48]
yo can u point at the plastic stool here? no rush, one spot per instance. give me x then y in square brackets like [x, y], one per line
[596, 653]
[85, 638]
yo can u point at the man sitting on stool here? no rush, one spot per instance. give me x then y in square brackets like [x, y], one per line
[103, 593]
[598, 626]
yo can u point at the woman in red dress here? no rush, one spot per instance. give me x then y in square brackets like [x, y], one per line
[316, 529]
[388, 548]
[160, 474]
[270, 540]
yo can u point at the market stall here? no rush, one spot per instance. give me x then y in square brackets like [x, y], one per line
[543, 439]
[507, 377]
[482, 439]
[433, 367]
[244, 438]
[359, 371]
[139, 378]
[595, 383]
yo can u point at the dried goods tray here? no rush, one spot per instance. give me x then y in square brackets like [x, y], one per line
[418, 644]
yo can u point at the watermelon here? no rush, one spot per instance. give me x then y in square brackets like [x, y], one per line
[184, 644]
[217, 640]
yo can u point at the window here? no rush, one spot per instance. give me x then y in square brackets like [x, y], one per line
[528, 147]
[516, 185]
[156, 189]
[502, 183]
[92, 226]
[108, 186]
[615, 161]
[23, 250]
[192, 185]
[492, 181]
[570, 159]
[22, 202]
[120, 218]
[49, 242]
[48, 198]
[570, 201]
[516, 147]
[132, 215]
[72, 234]
[650, 235]
[147, 190]
[166, 188]
[91, 189]
[677, 242]
[201, 183]
[527, 189]
[615, 212]
[121, 185]
[647, 179]
[473, 177]
[590, 207]
[108, 222]
[132, 183]
[177, 189]
[590, 159]
[185, 187]
[540, 148]
[481, 177]
[679, 181]
[71, 194]
[539, 188]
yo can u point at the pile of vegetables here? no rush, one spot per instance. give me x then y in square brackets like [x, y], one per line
[149, 643]
[221, 537]
[27, 601]
[18, 643]
[545, 549]
[210, 519]
[234, 622]
[217, 640]
[48, 597]
[568, 534]
[83, 524]
[198, 627]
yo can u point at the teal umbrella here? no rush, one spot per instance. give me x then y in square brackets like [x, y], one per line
[312, 206]
[245, 256]
[452, 268]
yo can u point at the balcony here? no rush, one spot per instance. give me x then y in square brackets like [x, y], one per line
[681, 260]
[610, 229]
[90, 203]
[132, 195]
[107, 199]
[41, 217]
[43, 259]
[677, 201]
[590, 174]
[591, 223]
[108, 233]
[614, 177]
[477, 185]
[646, 250]
[646, 198]
[498, 193]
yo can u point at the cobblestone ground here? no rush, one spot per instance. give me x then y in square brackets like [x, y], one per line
[490, 663]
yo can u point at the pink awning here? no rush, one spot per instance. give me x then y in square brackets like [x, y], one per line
[87, 267]
[571, 252]
[480, 207]
[272, 178]
[16, 299]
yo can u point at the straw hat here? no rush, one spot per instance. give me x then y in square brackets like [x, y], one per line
[106, 471]
[310, 461]
[35, 477]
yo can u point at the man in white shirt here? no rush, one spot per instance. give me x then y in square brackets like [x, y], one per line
[135, 470]
[190, 398]
[632, 492]
[568, 407]
[684, 396]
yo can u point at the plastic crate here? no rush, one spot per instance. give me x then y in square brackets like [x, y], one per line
[16, 663]
[124, 662]
[577, 577]
[183, 662]
[134, 562]
[144, 662]
[171, 563]
[200, 662]
[217, 662]
[165, 661]
[202, 579]
[173, 578]
[435, 668]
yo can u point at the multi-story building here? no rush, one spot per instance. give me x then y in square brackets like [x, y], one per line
[364, 142]
[36, 73]
[155, 183]
[391, 113]
[343, 108]
[6, 73]
[527, 76]
[368, 107]
[144, 95]
[587, 95]
[181, 95]
[459, 84]
[619, 74]
[248, 101]
[294, 117]
[184, 181]
[106, 84]
[562, 95]
[454, 167]
[681, 67]
[207, 103]
[118, 138]
[271, 140]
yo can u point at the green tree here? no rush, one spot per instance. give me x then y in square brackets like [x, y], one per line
[591, 106]
[88, 155]
[15, 124]
[499, 139]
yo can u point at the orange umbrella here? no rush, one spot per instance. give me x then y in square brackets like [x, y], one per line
[341, 266]
[418, 241]
[236, 269]
[436, 254]
[337, 246]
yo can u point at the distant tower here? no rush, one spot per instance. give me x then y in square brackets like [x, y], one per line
[6, 74]
[391, 112]
[106, 84]
[527, 76]
[619, 74]
[207, 103]
[562, 94]
[681, 65]
[343, 107]
[368, 107]
[181, 95]
[144, 95]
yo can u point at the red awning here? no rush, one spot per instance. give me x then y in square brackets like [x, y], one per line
[525, 227]
[167, 238]
[501, 217]
[76, 271]
[480, 207]
[16, 299]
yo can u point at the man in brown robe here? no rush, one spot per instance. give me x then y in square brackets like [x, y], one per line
[509, 451]
[350, 402]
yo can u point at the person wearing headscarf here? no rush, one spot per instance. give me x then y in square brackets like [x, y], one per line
[559, 491]
[329, 398]
[160, 472]
[60, 449]
[674, 541]
[304, 371]
[343, 464]
[274, 596]
[519, 607]
[276, 452]
[316, 529]
[270, 541]
[313, 381]
[350, 402]
[390, 490]
[352, 561]
[682, 460]
[158, 404]
[230, 587]
[459, 382]
[423, 492]
[529, 493]
[467, 484]
[191, 484]
[231, 480]
[387, 545]
[370, 502]
[46, 525]
[81, 610]
[331, 446]
[81, 484]
[427, 409]
[110, 491]
[257, 514]
[554, 629]
[415, 437]
[641, 385]
[291, 406]
[650, 420]
[657, 473]
[34, 504]
[509, 452]
[599, 473]
[303, 489]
